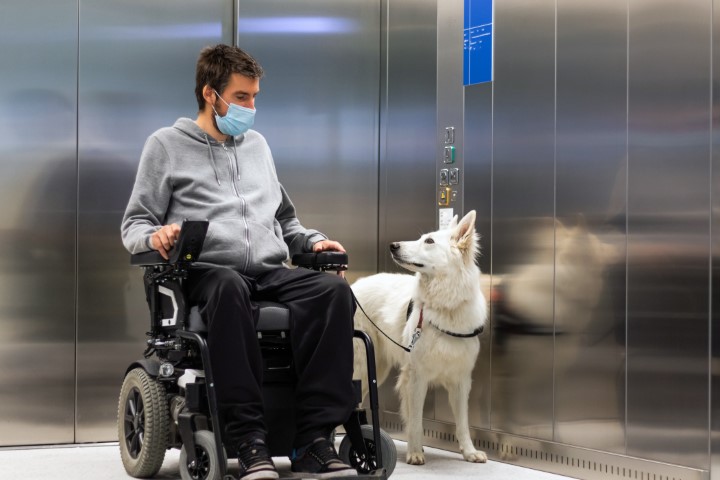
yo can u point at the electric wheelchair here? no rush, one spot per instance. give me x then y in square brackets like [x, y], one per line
[168, 397]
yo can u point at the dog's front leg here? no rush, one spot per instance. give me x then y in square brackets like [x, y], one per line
[412, 389]
[459, 397]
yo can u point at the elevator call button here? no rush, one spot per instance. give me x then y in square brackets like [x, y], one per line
[449, 156]
[444, 196]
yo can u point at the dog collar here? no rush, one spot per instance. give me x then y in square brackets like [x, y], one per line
[416, 335]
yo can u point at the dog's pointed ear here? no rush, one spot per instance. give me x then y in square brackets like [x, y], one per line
[453, 223]
[464, 232]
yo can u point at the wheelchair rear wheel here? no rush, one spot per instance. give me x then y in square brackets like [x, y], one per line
[206, 466]
[143, 423]
[350, 456]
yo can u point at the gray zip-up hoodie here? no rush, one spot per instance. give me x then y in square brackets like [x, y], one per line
[185, 174]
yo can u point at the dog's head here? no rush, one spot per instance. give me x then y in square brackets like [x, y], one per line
[440, 251]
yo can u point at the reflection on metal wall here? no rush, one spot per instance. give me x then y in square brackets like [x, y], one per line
[38, 46]
[591, 150]
[408, 124]
[591, 147]
[668, 228]
[523, 210]
[318, 110]
[715, 252]
[137, 74]
[408, 136]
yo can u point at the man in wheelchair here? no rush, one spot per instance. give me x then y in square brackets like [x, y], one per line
[216, 168]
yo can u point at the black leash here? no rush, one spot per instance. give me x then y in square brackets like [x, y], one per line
[418, 329]
[375, 325]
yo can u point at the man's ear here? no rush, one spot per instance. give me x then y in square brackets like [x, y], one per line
[464, 232]
[209, 94]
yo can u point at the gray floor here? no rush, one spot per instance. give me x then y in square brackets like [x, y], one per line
[102, 462]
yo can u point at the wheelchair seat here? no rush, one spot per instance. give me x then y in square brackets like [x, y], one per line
[272, 317]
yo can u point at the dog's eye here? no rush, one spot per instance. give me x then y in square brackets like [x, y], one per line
[429, 241]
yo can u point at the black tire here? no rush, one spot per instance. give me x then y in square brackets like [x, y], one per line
[389, 453]
[207, 466]
[143, 423]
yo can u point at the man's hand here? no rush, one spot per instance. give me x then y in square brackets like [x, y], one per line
[164, 239]
[324, 245]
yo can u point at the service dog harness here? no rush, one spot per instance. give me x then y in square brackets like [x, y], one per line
[418, 328]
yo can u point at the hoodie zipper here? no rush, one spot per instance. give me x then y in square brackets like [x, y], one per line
[244, 206]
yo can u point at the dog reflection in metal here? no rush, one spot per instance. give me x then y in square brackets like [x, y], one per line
[438, 313]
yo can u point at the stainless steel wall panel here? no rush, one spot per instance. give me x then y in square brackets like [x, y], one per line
[715, 252]
[38, 46]
[668, 231]
[408, 137]
[137, 74]
[591, 154]
[409, 120]
[477, 158]
[319, 110]
[523, 217]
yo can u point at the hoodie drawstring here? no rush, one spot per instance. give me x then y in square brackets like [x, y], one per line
[237, 164]
[212, 159]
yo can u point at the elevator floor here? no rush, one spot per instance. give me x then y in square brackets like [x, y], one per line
[102, 462]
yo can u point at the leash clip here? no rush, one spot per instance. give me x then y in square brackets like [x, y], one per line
[415, 338]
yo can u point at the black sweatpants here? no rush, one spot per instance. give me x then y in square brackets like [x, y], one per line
[321, 320]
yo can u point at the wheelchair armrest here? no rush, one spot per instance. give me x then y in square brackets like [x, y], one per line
[186, 250]
[147, 259]
[321, 260]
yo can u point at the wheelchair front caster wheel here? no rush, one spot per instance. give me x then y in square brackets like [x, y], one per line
[143, 423]
[206, 466]
[350, 456]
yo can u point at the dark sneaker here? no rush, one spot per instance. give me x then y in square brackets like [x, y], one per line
[255, 461]
[321, 461]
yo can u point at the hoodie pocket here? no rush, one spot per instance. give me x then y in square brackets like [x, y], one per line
[226, 243]
[266, 248]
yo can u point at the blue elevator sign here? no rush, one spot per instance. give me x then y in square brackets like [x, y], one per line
[478, 45]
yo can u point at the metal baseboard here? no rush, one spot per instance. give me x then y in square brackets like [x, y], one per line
[546, 456]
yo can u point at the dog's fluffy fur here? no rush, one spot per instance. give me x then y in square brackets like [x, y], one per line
[446, 286]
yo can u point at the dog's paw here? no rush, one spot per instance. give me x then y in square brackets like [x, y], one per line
[476, 456]
[416, 458]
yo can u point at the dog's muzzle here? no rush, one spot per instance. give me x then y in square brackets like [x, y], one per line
[395, 253]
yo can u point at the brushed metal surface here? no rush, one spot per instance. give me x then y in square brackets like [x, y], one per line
[408, 137]
[668, 231]
[450, 93]
[558, 458]
[319, 110]
[478, 196]
[715, 252]
[38, 46]
[137, 74]
[591, 164]
[523, 217]
[408, 124]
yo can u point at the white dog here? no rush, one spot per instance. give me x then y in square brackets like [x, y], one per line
[444, 304]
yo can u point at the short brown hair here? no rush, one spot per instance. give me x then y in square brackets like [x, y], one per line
[217, 63]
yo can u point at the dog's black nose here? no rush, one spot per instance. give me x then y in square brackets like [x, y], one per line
[395, 246]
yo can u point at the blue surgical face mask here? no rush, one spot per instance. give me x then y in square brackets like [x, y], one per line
[236, 121]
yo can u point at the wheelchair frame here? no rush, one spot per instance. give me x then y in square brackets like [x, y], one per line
[174, 346]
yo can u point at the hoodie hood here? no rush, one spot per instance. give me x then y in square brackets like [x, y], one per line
[193, 130]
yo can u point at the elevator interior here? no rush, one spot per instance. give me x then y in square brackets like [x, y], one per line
[590, 158]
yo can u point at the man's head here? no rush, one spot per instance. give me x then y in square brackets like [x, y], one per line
[215, 68]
